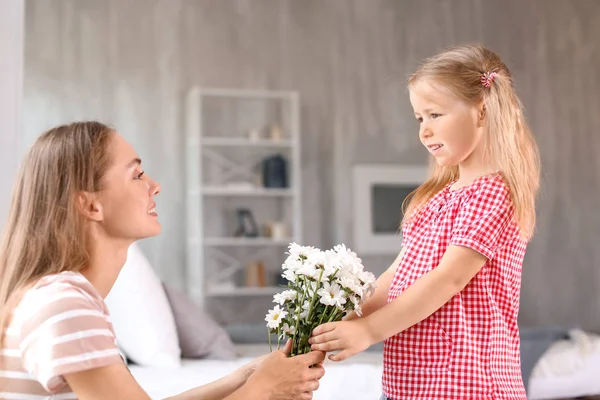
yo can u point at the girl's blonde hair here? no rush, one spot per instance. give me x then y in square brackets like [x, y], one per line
[45, 232]
[509, 145]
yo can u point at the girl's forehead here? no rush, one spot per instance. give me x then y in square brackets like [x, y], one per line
[432, 93]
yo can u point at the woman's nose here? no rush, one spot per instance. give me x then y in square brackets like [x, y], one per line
[153, 187]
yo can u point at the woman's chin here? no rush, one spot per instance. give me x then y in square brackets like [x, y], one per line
[152, 231]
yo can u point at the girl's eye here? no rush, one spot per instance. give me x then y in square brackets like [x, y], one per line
[434, 116]
[420, 119]
[139, 176]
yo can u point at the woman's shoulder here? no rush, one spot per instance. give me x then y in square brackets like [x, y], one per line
[60, 292]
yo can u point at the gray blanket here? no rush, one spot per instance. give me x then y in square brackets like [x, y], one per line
[534, 343]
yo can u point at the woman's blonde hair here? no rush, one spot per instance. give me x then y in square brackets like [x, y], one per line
[45, 232]
[509, 145]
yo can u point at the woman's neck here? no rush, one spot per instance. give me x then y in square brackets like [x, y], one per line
[107, 258]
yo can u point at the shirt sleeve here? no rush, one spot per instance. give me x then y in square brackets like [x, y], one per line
[65, 331]
[482, 220]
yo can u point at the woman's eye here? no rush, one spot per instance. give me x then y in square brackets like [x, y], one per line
[139, 176]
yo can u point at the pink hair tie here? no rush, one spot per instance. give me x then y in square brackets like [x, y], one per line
[487, 79]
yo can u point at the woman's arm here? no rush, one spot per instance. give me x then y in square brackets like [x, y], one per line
[379, 298]
[276, 376]
[115, 382]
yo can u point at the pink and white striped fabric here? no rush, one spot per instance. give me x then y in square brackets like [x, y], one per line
[60, 326]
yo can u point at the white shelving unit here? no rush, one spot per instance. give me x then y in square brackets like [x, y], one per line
[207, 198]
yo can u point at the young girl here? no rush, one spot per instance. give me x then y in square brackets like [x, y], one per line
[452, 294]
[80, 201]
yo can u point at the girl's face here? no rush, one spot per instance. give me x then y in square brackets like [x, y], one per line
[126, 207]
[450, 128]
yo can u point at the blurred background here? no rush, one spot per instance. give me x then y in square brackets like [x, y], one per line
[276, 106]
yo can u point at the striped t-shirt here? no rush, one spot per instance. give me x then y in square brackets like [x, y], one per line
[60, 326]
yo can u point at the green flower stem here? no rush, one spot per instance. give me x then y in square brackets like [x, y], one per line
[333, 314]
[279, 337]
[270, 346]
[297, 320]
[312, 301]
[323, 315]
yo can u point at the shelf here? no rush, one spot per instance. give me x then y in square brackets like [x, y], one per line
[244, 191]
[245, 291]
[244, 142]
[244, 241]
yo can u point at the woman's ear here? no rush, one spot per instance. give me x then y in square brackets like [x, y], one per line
[89, 206]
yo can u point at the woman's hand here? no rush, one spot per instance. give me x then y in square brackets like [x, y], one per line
[351, 337]
[280, 377]
[249, 368]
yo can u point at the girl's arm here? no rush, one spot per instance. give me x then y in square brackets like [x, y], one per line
[379, 298]
[434, 289]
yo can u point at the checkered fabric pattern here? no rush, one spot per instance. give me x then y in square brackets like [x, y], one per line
[469, 348]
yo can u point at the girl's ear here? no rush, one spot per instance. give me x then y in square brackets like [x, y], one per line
[482, 113]
[89, 206]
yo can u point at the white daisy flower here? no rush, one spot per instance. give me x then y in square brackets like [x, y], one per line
[352, 284]
[289, 330]
[298, 251]
[309, 270]
[286, 295]
[274, 317]
[332, 294]
[357, 305]
[366, 277]
[292, 264]
[289, 275]
[326, 262]
[305, 308]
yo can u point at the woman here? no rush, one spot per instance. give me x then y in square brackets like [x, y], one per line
[80, 201]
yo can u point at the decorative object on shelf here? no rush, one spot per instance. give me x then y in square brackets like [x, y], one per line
[276, 230]
[342, 285]
[254, 134]
[246, 223]
[274, 172]
[276, 132]
[256, 275]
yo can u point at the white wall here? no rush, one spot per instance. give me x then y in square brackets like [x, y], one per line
[11, 94]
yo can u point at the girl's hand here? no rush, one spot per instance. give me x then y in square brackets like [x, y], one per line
[351, 337]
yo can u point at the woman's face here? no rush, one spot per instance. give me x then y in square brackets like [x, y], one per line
[126, 204]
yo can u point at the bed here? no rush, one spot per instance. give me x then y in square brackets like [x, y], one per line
[358, 378]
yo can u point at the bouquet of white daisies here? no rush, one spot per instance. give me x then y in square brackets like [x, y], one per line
[323, 286]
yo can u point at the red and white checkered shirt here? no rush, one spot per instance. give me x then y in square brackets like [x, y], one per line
[469, 348]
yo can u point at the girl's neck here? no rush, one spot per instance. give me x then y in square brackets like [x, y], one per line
[469, 175]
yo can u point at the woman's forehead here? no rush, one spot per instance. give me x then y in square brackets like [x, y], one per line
[123, 152]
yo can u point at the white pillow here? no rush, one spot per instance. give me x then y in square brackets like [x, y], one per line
[141, 314]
